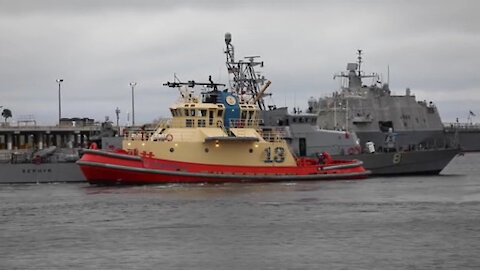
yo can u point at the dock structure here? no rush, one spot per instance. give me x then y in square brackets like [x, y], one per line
[70, 133]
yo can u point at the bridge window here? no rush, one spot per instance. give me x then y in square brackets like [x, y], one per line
[210, 117]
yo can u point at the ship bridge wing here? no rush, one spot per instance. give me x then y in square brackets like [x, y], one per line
[244, 132]
[239, 134]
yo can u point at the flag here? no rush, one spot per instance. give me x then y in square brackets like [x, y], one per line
[472, 114]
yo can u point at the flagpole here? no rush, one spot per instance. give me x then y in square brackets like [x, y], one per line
[346, 114]
[334, 114]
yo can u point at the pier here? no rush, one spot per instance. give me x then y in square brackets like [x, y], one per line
[70, 133]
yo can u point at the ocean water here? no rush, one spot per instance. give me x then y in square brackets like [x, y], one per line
[415, 222]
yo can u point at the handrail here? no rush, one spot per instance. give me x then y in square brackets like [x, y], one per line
[245, 123]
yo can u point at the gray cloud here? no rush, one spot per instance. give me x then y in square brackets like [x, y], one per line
[98, 47]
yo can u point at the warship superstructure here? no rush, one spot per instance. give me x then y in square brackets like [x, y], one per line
[391, 122]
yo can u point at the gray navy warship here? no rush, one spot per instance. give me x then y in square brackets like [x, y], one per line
[408, 133]
[390, 134]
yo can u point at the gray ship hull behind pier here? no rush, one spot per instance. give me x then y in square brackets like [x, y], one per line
[466, 134]
[40, 173]
[30, 153]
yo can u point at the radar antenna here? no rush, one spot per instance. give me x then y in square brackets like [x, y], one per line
[188, 96]
[352, 80]
[193, 83]
[359, 62]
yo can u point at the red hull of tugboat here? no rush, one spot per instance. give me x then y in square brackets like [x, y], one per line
[118, 167]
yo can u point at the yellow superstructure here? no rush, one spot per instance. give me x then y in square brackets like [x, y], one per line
[197, 133]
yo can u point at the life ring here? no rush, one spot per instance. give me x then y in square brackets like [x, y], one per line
[169, 137]
[219, 123]
[351, 151]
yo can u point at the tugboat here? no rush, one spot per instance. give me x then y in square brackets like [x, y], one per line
[214, 137]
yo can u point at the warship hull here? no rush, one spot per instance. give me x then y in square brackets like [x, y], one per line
[406, 163]
[306, 140]
[40, 173]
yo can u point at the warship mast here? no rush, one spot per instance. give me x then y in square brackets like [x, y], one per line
[354, 76]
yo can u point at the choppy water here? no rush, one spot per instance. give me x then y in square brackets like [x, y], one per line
[429, 222]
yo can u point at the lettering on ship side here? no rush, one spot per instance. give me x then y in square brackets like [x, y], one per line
[278, 155]
[145, 154]
[133, 151]
[36, 170]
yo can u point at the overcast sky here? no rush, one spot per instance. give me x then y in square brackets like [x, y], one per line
[98, 47]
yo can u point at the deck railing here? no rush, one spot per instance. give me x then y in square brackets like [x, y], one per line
[245, 123]
[461, 126]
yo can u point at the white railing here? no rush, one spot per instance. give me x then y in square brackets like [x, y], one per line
[48, 128]
[273, 135]
[244, 123]
[461, 126]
